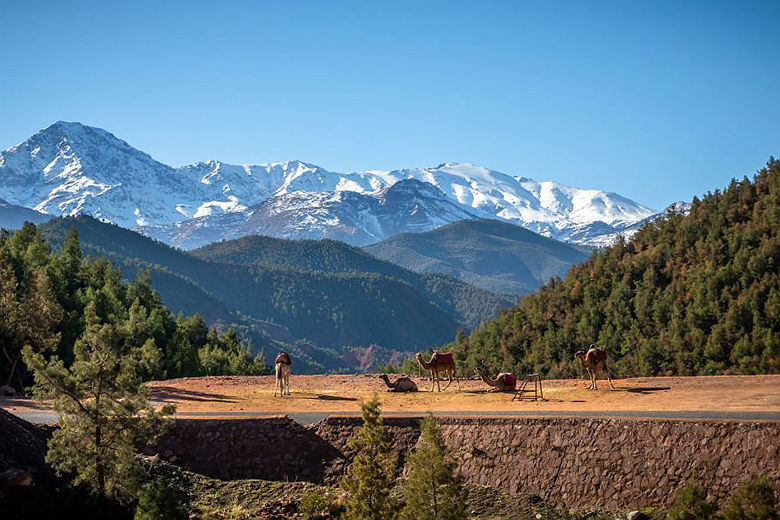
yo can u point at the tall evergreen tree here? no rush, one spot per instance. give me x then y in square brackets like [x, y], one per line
[102, 404]
[369, 479]
[432, 490]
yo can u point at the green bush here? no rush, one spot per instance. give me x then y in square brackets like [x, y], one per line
[317, 504]
[755, 500]
[159, 501]
[692, 504]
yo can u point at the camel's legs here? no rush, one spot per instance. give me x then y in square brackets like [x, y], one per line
[592, 379]
[609, 379]
[449, 375]
[595, 376]
[278, 382]
[432, 380]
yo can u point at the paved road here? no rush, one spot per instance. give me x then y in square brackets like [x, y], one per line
[312, 417]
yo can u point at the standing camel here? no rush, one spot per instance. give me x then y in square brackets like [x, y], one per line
[594, 361]
[282, 364]
[440, 362]
[402, 384]
[504, 382]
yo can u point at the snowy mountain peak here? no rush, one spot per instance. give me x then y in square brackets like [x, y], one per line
[70, 168]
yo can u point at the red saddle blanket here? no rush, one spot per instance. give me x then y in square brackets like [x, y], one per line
[510, 381]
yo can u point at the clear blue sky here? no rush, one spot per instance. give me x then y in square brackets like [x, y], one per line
[656, 100]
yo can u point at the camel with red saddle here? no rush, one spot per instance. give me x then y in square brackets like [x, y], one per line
[440, 362]
[594, 361]
[504, 382]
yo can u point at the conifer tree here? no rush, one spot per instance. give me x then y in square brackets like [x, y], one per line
[432, 490]
[29, 315]
[369, 479]
[102, 404]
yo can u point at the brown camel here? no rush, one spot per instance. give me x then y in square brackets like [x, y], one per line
[594, 361]
[440, 362]
[402, 384]
[504, 382]
[282, 364]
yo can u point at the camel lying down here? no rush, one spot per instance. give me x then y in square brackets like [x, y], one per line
[402, 384]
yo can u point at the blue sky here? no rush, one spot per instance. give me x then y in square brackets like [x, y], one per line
[658, 101]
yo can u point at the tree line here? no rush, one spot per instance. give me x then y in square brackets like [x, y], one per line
[690, 294]
[49, 299]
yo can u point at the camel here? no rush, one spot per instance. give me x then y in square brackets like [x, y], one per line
[440, 362]
[402, 384]
[282, 364]
[594, 361]
[504, 382]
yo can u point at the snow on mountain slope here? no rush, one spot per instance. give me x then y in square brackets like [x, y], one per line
[70, 168]
[407, 206]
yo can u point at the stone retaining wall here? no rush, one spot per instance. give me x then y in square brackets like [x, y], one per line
[579, 462]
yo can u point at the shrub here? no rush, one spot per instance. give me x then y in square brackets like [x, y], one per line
[158, 501]
[692, 504]
[316, 504]
[755, 500]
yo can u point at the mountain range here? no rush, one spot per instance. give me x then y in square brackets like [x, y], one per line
[321, 298]
[70, 168]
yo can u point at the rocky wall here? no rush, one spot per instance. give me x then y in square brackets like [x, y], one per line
[579, 462]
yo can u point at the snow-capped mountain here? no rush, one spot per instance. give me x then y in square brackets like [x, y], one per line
[70, 168]
[407, 206]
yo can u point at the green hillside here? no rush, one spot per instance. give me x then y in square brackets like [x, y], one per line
[491, 254]
[695, 294]
[469, 305]
[328, 310]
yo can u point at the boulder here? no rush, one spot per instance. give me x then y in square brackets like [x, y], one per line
[17, 477]
[7, 391]
[637, 515]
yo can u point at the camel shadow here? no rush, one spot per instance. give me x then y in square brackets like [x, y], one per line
[162, 393]
[647, 389]
[325, 397]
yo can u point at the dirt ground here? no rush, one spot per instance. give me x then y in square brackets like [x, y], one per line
[343, 393]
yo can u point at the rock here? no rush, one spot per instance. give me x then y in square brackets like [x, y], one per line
[637, 515]
[7, 391]
[17, 477]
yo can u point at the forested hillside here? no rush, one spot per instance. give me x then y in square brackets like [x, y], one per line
[468, 304]
[695, 294]
[330, 310]
[495, 255]
[45, 298]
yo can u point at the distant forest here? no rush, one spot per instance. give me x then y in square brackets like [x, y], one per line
[688, 295]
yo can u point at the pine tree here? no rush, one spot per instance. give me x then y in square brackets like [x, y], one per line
[369, 479]
[30, 315]
[102, 404]
[432, 489]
